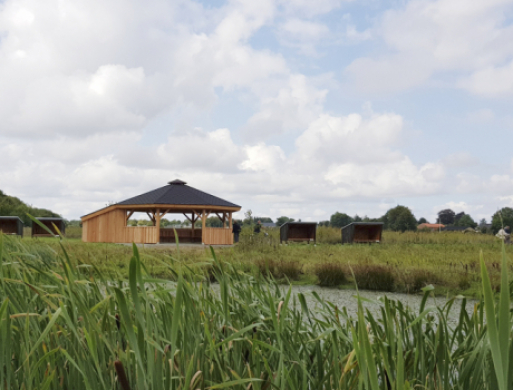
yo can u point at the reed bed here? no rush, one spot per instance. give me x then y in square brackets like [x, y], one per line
[66, 325]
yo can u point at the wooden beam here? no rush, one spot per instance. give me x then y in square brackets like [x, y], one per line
[146, 207]
[204, 221]
[151, 217]
[190, 220]
[164, 213]
[157, 223]
[128, 215]
[230, 220]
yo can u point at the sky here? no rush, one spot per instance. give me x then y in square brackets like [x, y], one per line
[298, 108]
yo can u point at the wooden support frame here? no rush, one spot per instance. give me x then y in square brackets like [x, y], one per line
[128, 215]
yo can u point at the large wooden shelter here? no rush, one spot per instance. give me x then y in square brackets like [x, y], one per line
[110, 223]
[11, 225]
[362, 233]
[50, 223]
[298, 231]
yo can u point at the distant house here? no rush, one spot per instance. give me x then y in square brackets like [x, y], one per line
[456, 228]
[268, 225]
[430, 226]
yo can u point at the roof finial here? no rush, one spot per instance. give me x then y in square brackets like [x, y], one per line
[177, 182]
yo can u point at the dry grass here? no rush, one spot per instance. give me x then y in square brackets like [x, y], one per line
[374, 277]
[330, 274]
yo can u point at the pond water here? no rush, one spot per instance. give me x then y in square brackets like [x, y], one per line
[347, 299]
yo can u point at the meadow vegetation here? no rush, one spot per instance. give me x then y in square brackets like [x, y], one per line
[65, 324]
[403, 262]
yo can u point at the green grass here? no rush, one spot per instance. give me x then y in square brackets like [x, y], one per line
[448, 261]
[68, 325]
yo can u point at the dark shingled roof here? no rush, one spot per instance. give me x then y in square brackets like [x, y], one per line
[179, 193]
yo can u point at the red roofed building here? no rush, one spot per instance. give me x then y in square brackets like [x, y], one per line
[431, 226]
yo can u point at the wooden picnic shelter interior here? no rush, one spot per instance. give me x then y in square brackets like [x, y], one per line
[362, 233]
[298, 231]
[110, 224]
[11, 225]
[50, 223]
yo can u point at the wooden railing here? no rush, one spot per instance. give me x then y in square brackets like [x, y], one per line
[217, 236]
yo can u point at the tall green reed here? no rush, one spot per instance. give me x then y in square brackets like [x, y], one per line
[68, 326]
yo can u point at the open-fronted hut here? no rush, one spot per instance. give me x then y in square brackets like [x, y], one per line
[110, 223]
[298, 231]
[49, 222]
[362, 233]
[11, 225]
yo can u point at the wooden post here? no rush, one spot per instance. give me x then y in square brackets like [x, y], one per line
[230, 220]
[203, 225]
[157, 222]
[192, 222]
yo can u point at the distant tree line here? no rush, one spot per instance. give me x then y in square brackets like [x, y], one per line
[399, 218]
[12, 206]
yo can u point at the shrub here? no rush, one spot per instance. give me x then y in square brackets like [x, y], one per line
[374, 277]
[415, 280]
[290, 269]
[330, 274]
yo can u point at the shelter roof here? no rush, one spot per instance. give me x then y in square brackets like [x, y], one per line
[177, 192]
[363, 224]
[299, 223]
[10, 218]
[48, 218]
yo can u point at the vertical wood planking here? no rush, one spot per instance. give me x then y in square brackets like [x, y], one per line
[217, 236]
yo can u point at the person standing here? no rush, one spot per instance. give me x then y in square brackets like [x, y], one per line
[505, 235]
[257, 228]
[236, 229]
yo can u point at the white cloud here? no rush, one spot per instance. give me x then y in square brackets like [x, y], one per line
[352, 138]
[302, 34]
[200, 150]
[491, 81]
[427, 37]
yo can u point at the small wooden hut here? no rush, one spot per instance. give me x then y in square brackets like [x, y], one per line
[298, 231]
[49, 222]
[362, 233]
[11, 225]
[110, 223]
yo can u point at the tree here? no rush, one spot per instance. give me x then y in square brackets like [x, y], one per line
[503, 217]
[263, 219]
[249, 218]
[465, 220]
[324, 223]
[446, 217]
[357, 218]
[12, 206]
[400, 219]
[213, 222]
[340, 220]
[422, 220]
[281, 220]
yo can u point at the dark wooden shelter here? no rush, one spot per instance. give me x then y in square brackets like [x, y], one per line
[110, 223]
[11, 225]
[298, 231]
[49, 222]
[362, 233]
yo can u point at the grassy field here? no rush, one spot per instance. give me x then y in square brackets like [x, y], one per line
[404, 262]
[69, 326]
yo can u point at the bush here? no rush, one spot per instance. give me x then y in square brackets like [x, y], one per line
[278, 269]
[374, 277]
[330, 274]
[415, 280]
